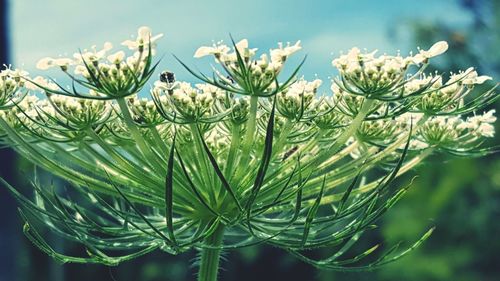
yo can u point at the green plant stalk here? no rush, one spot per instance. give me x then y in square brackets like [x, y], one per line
[159, 142]
[280, 144]
[351, 130]
[203, 165]
[235, 143]
[210, 257]
[250, 131]
[137, 136]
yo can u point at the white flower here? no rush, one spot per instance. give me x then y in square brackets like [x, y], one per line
[468, 77]
[38, 82]
[481, 124]
[282, 54]
[63, 62]
[486, 130]
[93, 55]
[18, 73]
[472, 78]
[117, 57]
[215, 50]
[45, 63]
[49, 62]
[144, 37]
[488, 117]
[242, 46]
[81, 70]
[436, 50]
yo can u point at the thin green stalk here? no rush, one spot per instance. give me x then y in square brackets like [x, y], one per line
[203, 164]
[351, 130]
[235, 143]
[210, 257]
[281, 142]
[250, 130]
[159, 142]
[137, 136]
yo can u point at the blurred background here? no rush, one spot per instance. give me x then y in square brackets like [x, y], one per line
[459, 196]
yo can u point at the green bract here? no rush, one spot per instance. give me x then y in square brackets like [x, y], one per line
[247, 157]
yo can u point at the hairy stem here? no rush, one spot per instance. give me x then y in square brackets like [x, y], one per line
[209, 264]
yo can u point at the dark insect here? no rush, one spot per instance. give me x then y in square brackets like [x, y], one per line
[290, 152]
[167, 77]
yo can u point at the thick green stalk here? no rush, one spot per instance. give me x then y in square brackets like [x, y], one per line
[210, 258]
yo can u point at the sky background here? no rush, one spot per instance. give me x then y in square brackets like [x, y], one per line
[57, 27]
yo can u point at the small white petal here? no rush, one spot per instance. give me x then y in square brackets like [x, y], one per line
[438, 48]
[45, 63]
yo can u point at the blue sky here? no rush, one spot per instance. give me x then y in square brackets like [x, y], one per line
[54, 27]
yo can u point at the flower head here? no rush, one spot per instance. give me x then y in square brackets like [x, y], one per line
[144, 38]
[437, 49]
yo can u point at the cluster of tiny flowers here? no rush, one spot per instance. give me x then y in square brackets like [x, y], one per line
[264, 69]
[80, 111]
[445, 97]
[144, 110]
[186, 101]
[384, 80]
[297, 98]
[11, 82]
[377, 75]
[454, 131]
[100, 67]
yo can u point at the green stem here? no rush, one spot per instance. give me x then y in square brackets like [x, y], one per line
[138, 137]
[209, 264]
[251, 124]
[281, 142]
[235, 143]
[249, 137]
[203, 164]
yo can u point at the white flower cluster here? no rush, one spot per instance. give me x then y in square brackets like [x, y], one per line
[367, 73]
[344, 101]
[187, 101]
[144, 110]
[81, 112]
[326, 114]
[267, 66]
[294, 100]
[239, 110]
[23, 113]
[396, 97]
[480, 125]
[444, 97]
[454, 131]
[110, 68]
[11, 82]
[378, 131]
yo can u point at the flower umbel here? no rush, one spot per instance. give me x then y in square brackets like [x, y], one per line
[244, 157]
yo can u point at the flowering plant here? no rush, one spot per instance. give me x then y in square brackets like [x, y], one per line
[246, 157]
